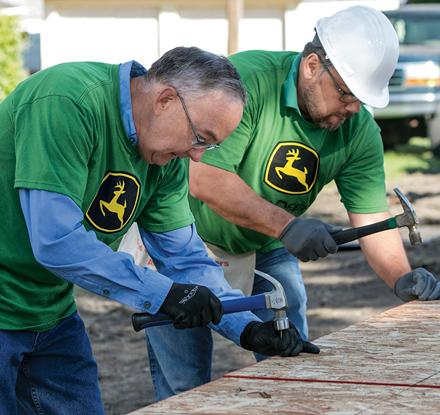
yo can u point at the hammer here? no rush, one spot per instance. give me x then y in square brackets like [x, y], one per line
[275, 300]
[408, 218]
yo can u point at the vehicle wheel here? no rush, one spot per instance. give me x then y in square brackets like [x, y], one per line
[434, 134]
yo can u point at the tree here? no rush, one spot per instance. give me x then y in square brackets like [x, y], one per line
[11, 65]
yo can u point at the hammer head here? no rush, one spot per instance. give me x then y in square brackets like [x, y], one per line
[277, 301]
[408, 218]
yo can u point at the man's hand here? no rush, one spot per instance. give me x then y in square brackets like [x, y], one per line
[191, 305]
[309, 239]
[264, 339]
[419, 284]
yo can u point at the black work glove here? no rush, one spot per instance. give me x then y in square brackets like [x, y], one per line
[418, 284]
[191, 305]
[264, 339]
[309, 239]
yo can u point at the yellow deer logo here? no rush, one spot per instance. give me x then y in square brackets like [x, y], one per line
[289, 170]
[113, 205]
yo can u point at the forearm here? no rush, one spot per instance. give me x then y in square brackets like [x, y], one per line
[238, 203]
[63, 246]
[384, 251]
[181, 255]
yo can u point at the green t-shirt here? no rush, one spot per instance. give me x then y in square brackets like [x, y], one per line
[286, 159]
[62, 132]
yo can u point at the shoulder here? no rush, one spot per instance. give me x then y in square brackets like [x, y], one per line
[263, 72]
[69, 80]
[362, 121]
[361, 132]
[258, 63]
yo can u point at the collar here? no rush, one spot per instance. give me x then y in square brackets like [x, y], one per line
[128, 70]
[289, 86]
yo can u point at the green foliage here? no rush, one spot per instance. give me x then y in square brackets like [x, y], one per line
[11, 65]
[410, 158]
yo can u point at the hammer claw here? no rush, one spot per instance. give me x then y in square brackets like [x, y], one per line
[408, 218]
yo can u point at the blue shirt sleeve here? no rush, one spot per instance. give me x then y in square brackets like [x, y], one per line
[181, 255]
[61, 244]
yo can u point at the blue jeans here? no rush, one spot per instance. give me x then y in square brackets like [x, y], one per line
[181, 359]
[49, 373]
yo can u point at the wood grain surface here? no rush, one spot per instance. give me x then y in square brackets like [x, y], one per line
[388, 364]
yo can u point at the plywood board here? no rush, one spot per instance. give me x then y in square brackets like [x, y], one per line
[386, 364]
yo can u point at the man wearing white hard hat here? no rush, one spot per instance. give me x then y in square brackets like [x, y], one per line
[304, 125]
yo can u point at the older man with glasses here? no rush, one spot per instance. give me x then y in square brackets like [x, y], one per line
[304, 125]
[86, 150]
[199, 141]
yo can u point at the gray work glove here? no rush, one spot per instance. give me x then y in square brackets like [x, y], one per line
[264, 339]
[418, 284]
[309, 239]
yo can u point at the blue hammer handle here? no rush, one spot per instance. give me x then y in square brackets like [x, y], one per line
[255, 302]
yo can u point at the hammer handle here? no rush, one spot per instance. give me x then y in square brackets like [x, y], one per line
[254, 302]
[351, 234]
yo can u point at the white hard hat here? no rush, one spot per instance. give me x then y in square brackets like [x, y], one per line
[363, 47]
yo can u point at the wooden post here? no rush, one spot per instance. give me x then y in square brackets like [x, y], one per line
[234, 10]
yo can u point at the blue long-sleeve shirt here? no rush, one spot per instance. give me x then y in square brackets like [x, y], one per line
[62, 244]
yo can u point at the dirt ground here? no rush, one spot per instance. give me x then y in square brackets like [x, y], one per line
[342, 290]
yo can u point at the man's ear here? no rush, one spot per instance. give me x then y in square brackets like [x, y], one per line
[165, 96]
[312, 66]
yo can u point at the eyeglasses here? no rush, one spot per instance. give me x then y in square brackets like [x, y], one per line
[344, 96]
[199, 142]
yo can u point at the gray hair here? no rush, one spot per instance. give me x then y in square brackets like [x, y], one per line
[315, 46]
[193, 71]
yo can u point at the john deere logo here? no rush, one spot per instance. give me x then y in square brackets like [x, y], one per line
[115, 202]
[292, 168]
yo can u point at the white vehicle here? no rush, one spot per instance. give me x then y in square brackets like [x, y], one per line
[414, 107]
